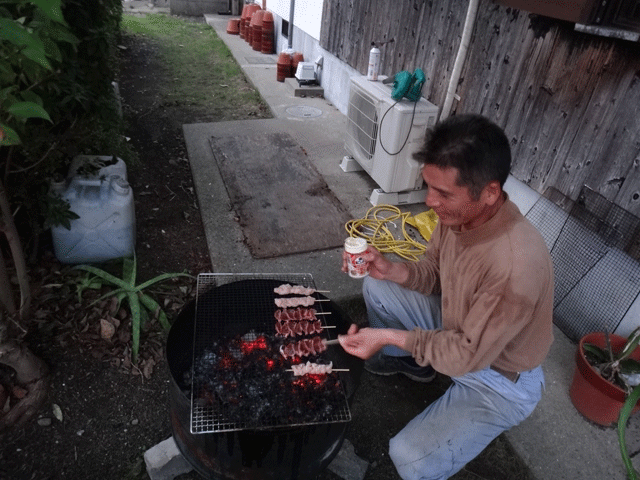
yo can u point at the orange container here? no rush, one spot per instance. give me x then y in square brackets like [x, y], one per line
[283, 69]
[252, 8]
[233, 26]
[256, 30]
[243, 16]
[267, 33]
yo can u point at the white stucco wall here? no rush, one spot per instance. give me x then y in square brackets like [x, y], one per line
[307, 14]
[334, 75]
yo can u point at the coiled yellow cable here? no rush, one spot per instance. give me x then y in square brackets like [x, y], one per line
[373, 228]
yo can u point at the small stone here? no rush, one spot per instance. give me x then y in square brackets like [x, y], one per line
[165, 461]
[107, 329]
[347, 464]
[19, 392]
[44, 422]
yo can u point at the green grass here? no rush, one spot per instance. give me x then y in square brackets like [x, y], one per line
[203, 71]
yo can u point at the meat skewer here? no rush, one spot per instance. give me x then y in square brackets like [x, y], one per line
[298, 301]
[314, 369]
[292, 328]
[303, 348]
[298, 313]
[286, 289]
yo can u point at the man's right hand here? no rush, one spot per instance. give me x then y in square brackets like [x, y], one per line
[380, 267]
[383, 269]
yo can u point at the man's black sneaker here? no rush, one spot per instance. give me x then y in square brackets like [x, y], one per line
[381, 364]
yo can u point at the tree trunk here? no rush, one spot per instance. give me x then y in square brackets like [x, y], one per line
[6, 293]
[31, 375]
[8, 227]
[31, 378]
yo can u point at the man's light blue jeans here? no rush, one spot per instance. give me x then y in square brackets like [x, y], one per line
[476, 408]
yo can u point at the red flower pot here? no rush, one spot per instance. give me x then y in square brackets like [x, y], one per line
[283, 69]
[593, 396]
[233, 26]
[256, 30]
[252, 8]
[267, 32]
[242, 23]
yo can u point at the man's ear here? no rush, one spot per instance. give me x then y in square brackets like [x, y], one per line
[492, 192]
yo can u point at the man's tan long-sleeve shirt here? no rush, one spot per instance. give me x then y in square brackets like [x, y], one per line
[496, 283]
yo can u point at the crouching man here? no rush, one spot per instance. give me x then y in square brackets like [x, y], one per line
[478, 306]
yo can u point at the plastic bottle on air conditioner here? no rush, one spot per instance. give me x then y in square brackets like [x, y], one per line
[374, 63]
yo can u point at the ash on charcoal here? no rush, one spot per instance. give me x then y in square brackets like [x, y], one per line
[246, 379]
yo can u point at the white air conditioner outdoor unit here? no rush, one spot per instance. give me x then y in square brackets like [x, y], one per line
[382, 135]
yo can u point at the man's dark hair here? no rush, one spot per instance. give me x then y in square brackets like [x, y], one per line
[474, 145]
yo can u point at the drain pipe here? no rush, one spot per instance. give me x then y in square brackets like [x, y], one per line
[292, 6]
[469, 23]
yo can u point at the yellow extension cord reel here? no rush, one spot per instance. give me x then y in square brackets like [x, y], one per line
[374, 228]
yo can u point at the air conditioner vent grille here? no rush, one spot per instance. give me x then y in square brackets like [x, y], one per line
[363, 123]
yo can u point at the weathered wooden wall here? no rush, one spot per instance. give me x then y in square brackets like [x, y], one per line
[569, 101]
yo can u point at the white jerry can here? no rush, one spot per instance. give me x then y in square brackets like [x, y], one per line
[106, 228]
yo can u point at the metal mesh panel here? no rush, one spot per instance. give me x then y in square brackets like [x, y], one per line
[593, 244]
[235, 323]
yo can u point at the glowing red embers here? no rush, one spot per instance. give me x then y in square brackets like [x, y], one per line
[259, 343]
[317, 378]
[309, 381]
[227, 361]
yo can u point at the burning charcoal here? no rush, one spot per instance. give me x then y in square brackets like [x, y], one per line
[247, 377]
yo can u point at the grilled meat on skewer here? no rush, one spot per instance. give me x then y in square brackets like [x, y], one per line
[297, 301]
[303, 348]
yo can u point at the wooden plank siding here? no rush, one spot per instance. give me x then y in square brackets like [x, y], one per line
[568, 101]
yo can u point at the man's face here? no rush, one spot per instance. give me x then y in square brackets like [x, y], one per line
[452, 203]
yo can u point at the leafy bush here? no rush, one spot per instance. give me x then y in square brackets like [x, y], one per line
[57, 64]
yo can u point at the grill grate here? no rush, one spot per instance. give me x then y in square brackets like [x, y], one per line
[235, 328]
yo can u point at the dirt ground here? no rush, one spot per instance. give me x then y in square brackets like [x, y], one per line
[110, 413]
[102, 413]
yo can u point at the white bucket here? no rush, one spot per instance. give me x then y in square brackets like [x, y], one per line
[106, 227]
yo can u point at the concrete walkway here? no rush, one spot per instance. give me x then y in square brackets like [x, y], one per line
[556, 442]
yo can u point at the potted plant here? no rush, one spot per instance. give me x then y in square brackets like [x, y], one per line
[606, 382]
[605, 369]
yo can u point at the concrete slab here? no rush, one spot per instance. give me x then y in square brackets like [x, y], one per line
[224, 235]
[304, 90]
[556, 441]
[165, 462]
[280, 198]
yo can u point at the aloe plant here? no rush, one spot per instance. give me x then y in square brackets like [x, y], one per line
[616, 367]
[625, 412]
[126, 289]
